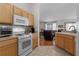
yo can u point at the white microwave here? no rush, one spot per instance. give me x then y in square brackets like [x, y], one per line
[20, 20]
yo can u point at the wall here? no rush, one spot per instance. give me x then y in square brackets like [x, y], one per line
[42, 26]
[61, 22]
[36, 16]
[77, 35]
[51, 11]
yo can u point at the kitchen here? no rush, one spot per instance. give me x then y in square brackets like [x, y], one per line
[15, 30]
[25, 29]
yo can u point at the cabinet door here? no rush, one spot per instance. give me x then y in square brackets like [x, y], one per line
[6, 13]
[17, 11]
[31, 19]
[25, 14]
[35, 41]
[70, 45]
[8, 47]
[9, 50]
[59, 41]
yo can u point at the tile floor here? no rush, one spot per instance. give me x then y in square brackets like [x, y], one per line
[48, 51]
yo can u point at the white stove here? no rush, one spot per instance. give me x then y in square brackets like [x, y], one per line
[24, 44]
[24, 41]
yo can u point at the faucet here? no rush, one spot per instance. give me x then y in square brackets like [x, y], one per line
[74, 28]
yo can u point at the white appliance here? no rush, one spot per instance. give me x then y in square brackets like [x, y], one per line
[24, 41]
[24, 45]
[20, 20]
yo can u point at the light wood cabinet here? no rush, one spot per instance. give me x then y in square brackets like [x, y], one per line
[8, 47]
[17, 11]
[66, 42]
[6, 13]
[34, 40]
[25, 14]
[31, 19]
[69, 44]
[60, 41]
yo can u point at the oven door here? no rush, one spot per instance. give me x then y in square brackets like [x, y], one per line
[24, 45]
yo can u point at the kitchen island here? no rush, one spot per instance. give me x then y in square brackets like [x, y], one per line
[66, 41]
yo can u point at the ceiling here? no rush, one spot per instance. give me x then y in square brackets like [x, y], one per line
[57, 11]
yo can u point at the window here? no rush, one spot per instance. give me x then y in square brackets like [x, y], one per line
[70, 26]
[54, 26]
[50, 26]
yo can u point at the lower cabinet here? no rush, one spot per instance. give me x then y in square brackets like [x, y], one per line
[8, 47]
[34, 40]
[60, 41]
[66, 42]
[69, 45]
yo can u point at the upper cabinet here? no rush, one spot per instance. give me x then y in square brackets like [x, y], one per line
[6, 11]
[31, 19]
[17, 11]
[25, 14]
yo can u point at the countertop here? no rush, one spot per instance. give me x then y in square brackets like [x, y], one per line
[66, 33]
[6, 38]
[13, 36]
